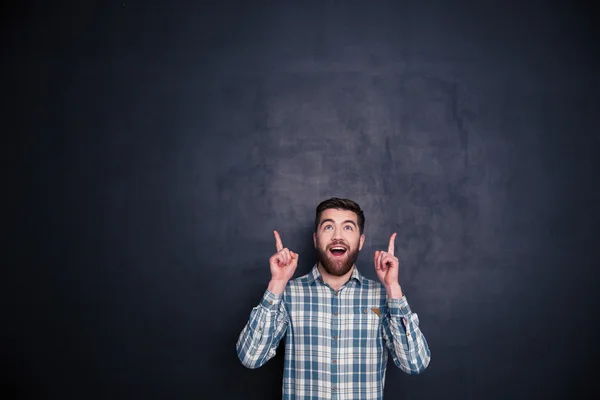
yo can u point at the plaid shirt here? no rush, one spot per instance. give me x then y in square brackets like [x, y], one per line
[336, 341]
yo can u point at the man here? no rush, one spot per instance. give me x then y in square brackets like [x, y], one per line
[339, 326]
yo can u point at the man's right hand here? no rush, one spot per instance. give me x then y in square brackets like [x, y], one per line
[283, 265]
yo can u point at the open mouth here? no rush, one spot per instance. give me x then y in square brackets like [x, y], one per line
[338, 251]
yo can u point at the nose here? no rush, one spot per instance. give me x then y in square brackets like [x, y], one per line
[337, 234]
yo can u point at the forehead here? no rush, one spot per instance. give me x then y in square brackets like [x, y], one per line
[339, 216]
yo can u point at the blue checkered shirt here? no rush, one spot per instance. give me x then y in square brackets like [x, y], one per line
[335, 346]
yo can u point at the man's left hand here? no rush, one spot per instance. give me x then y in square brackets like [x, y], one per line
[386, 266]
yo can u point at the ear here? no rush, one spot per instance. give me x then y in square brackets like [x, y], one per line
[362, 241]
[315, 239]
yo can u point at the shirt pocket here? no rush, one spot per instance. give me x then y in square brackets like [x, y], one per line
[368, 320]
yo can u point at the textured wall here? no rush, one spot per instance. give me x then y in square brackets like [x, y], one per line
[156, 147]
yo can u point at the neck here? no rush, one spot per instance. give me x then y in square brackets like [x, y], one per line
[334, 281]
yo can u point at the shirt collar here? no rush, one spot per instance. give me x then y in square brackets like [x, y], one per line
[315, 275]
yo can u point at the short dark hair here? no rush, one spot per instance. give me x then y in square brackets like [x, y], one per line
[340, 204]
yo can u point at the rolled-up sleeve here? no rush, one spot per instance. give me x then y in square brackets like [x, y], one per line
[403, 337]
[267, 324]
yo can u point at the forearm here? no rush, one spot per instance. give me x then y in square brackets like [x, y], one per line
[277, 287]
[394, 291]
[258, 340]
[406, 342]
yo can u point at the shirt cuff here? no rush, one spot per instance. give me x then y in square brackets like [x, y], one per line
[270, 300]
[399, 307]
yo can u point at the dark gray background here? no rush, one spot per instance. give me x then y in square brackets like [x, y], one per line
[152, 147]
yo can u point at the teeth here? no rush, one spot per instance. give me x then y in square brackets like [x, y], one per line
[338, 248]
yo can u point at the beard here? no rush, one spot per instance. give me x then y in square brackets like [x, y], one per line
[340, 266]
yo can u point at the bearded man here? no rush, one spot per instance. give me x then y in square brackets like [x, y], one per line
[339, 326]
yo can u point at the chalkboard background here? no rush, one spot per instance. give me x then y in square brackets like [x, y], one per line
[151, 148]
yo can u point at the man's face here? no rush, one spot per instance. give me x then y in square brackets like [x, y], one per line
[338, 240]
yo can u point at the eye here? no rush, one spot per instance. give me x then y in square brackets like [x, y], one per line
[327, 227]
[348, 227]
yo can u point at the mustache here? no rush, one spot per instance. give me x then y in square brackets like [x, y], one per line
[338, 243]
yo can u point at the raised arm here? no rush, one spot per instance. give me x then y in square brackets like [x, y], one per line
[401, 333]
[268, 321]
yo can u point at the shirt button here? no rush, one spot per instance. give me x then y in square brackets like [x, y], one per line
[337, 293]
[366, 310]
[335, 361]
[402, 308]
[271, 302]
[335, 313]
[335, 337]
[335, 388]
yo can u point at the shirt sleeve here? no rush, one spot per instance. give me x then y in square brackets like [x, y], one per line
[405, 341]
[266, 326]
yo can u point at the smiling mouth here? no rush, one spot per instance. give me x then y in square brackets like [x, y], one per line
[337, 251]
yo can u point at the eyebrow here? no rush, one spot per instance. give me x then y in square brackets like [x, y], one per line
[332, 221]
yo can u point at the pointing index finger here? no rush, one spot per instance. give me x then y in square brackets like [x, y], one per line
[391, 245]
[278, 241]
